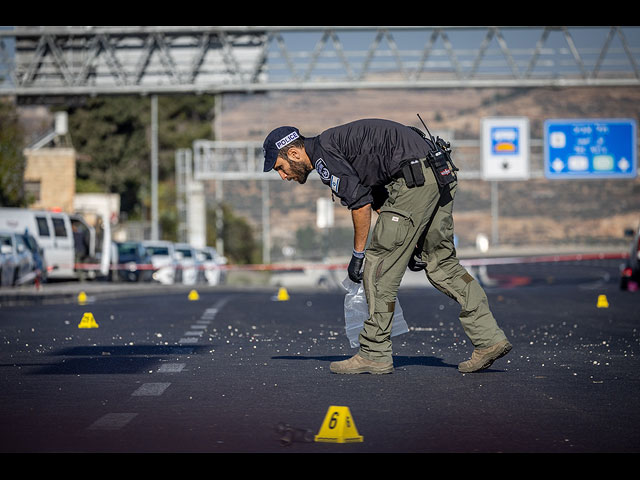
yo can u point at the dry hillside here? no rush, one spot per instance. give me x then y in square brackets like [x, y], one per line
[535, 212]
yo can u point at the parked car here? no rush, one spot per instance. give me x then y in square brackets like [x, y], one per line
[630, 275]
[16, 261]
[163, 258]
[211, 263]
[189, 264]
[133, 262]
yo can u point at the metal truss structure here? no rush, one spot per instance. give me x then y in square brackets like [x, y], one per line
[50, 60]
[237, 160]
[229, 160]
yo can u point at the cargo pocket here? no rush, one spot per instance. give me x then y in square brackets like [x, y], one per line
[391, 229]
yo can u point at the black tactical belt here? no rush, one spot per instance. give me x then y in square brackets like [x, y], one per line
[414, 177]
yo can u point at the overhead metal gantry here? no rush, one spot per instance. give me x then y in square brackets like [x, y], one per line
[172, 59]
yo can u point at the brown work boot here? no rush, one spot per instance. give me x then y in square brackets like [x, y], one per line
[482, 358]
[358, 364]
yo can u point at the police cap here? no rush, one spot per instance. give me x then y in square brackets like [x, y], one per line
[277, 139]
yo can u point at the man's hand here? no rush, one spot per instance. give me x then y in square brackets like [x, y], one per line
[416, 263]
[355, 267]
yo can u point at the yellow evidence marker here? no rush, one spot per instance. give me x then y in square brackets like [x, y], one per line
[602, 301]
[88, 321]
[283, 295]
[193, 295]
[82, 298]
[338, 427]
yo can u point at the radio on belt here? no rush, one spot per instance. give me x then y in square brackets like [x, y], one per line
[439, 159]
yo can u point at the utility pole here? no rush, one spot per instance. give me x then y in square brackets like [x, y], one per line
[154, 168]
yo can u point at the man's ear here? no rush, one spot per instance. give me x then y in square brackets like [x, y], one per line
[294, 153]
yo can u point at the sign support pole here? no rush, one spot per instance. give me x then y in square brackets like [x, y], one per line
[495, 231]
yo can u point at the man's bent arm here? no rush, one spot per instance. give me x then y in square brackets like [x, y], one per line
[361, 223]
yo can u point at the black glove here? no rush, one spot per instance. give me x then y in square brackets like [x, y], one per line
[415, 262]
[355, 268]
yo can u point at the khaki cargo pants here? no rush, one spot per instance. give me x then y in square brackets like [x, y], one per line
[400, 223]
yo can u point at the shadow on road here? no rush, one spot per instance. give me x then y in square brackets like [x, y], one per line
[126, 359]
[398, 360]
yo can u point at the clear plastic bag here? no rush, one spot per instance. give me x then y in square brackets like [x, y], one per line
[356, 311]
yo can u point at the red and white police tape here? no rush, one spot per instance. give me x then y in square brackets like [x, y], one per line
[470, 262]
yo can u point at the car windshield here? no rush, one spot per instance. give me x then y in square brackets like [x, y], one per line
[127, 249]
[157, 250]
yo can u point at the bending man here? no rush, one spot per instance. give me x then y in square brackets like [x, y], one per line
[382, 165]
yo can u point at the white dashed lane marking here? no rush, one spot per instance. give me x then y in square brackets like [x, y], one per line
[116, 421]
[211, 312]
[197, 330]
[193, 333]
[182, 341]
[112, 421]
[171, 367]
[150, 389]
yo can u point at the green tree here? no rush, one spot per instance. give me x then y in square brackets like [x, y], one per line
[240, 246]
[167, 211]
[114, 134]
[110, 132]
[11, 159]
[181, 120]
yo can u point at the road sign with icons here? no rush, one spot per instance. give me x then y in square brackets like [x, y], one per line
[505, 148]
[590, 148]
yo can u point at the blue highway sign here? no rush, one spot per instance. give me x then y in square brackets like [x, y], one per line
[590, 148]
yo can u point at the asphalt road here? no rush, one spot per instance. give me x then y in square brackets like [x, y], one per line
[239, 371]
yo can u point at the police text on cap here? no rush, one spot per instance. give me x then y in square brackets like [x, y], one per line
[283, 142]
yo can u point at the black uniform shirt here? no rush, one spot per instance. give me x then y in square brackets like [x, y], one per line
[355, 158]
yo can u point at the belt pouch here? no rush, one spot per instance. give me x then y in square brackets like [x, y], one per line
[412, 173]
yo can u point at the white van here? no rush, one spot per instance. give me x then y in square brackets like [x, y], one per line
[52, 230]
